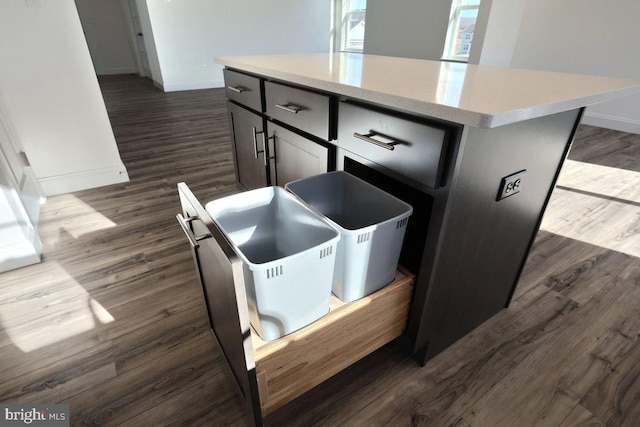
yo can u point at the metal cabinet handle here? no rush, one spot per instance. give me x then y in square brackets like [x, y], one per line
[237, 89]
[264, 147]
[291, 108]
[255, 133]
[193, 240]
[368, 137]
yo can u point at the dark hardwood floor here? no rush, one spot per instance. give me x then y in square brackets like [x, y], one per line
[112, 322]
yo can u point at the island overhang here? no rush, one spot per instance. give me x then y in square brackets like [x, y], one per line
[474, 95]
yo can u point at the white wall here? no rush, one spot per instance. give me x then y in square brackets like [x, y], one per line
[587, 37]
[50, 95]
[496, 32]
[410, 28]
[189, 34]
[575, 36]
[107, 33]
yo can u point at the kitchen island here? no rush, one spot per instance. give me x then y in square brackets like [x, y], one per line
[475, 150]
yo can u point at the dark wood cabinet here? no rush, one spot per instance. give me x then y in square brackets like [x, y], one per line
[249, 143]
[243, 89]
[464, 248]
[302, 109]
[265, 151]
[398, 143]
[294, 156]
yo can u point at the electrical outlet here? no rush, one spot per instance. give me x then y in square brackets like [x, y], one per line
[34, 3]
[510, 185]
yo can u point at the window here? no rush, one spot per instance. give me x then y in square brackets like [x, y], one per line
[350, 16]
[462, 23]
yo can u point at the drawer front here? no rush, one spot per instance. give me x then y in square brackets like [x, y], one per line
[299, 108]
[410, 148]
[243, 89]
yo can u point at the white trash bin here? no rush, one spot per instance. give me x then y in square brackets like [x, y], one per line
[372, 224]
[288, 253]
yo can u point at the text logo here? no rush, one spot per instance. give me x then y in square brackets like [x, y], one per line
[34, 415]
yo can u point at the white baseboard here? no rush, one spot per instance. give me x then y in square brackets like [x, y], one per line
[83, 180]
[21, 245]
[19, 255]
[610, 122]
[175, 87]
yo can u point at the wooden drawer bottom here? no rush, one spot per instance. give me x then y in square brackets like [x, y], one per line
[293, 364]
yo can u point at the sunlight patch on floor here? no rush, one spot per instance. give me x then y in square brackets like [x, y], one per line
[604, 180]
[34, 315]
[72, 208]
[596, 204]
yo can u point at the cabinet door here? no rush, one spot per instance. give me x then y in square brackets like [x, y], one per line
[295, 157]
[248, 147]
[221, 277]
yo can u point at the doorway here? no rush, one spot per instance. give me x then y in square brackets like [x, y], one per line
[141, 50]
[114, 36]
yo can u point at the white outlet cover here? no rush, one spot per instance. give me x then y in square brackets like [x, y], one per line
[34, 3]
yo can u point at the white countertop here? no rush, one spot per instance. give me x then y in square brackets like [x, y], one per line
[474, 95]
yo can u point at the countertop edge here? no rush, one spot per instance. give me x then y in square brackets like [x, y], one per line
[439, 111]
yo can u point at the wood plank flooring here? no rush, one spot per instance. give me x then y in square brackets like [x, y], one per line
[112, 321]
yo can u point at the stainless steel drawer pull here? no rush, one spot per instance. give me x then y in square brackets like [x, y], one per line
[193, 240]
[255, 133]
[291, 108]
[368, 137]
[264, 148]
[237, 89]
